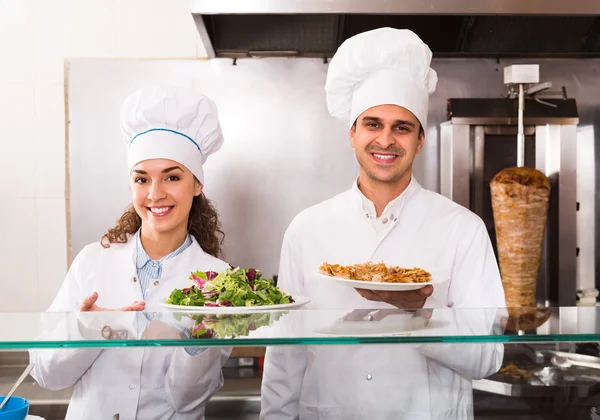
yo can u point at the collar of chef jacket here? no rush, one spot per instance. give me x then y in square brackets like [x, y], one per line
[142, 258]
[392, 210]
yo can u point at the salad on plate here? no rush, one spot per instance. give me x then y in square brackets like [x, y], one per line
[233, 287]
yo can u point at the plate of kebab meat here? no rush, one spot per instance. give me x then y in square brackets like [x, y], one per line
[379, 276]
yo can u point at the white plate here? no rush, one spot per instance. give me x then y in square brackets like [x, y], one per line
[391, 325]
[375, 285]
[298, 301]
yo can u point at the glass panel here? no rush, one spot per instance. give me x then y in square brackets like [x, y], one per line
[500, 381]
[308, 327]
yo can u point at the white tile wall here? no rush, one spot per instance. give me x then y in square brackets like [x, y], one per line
[155, 28]
[33, 253]
[52, 27]
[93, 29]
[16, 47]
[17, 168]
[51, 260]
[18, 225]
[16, 120]
[17, 177]
[49, 140]
[12, 12]
[49, 70]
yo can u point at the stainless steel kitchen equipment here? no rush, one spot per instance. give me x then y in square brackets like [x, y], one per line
[480, 139]
[543, 375]
[530, 385]
[451, 28]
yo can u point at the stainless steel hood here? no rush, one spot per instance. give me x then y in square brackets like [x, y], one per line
[452, 28]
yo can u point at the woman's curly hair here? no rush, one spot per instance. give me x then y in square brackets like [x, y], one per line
[203, 224]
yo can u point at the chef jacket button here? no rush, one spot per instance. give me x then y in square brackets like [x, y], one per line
[396, 219]
[385, 220]
[156, 283]
[154, 265]
[132, 386]
[450, 304]
[368, 215]
[134, 279]
[369, 377]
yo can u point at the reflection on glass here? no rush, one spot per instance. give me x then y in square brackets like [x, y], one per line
[422, 379]
[228, 325]
[526, 319]
[301, 326]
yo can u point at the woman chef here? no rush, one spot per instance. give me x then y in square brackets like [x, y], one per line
[378, 84]
[170, 230]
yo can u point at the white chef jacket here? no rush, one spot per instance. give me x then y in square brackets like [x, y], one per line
[135, 382]
[385, 381]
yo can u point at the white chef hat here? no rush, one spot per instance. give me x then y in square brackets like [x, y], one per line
[384, 66]
[173, 123]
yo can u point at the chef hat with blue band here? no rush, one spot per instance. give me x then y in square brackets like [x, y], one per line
[172, 123]
[384, 66]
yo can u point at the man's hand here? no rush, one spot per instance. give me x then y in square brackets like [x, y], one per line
[88, 304]
[378, 315]
[412, 299]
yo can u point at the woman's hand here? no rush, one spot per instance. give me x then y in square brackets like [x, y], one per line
[158, 330]
[88, 304]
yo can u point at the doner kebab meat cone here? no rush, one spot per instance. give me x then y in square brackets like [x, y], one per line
[520, 199]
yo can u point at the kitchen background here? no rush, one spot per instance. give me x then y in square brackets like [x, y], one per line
[283, 152]
[106, 46]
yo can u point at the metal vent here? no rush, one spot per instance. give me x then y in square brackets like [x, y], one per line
[305, 34]
[319, 35]
[531, 34]
[439, 32]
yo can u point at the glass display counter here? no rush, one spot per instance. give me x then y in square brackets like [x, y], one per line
[550, 361]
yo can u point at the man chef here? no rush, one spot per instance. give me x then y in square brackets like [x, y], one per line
[378, 84]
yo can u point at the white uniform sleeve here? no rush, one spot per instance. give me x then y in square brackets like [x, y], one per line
[60, 368]
[476, 281]
[470, 360]
[192, 379]
[285, 366]
[476, 284]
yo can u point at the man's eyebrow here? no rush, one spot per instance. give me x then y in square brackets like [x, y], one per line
[397, 122]
[404, 122]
